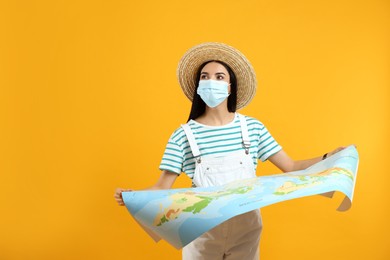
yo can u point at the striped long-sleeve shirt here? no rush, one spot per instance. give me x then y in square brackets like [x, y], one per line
[217, 141]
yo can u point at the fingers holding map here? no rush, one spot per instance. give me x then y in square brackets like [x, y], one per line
[181, 215]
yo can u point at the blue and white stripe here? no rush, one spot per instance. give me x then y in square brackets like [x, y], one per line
[217, 141]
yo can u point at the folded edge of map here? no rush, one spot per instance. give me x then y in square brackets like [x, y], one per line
[181, 215]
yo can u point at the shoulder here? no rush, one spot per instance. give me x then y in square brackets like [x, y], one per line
[253, 122]
[177, 135]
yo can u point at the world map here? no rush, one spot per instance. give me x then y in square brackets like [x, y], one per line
[181, 215]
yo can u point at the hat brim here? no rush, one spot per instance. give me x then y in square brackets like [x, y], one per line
[196, 56]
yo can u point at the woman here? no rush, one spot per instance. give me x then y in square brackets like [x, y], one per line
[218, 145]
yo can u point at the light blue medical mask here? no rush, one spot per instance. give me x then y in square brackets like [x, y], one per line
[213, 92]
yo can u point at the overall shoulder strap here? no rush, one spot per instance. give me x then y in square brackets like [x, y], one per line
[244, 132]
[191, 140]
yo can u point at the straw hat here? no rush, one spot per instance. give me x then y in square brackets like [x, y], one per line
[199, 54]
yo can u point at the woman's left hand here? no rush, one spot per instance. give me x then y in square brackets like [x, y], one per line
[338, 149]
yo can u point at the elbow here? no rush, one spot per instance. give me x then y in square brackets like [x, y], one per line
[291, 167]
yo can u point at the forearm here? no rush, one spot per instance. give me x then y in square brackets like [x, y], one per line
[165, 181]
[303, 164]
[157, 187]
[286, 164]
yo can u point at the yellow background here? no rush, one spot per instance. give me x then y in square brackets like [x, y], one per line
[89, 98]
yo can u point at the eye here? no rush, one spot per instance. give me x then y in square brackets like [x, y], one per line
[203, 76]
[220, 77]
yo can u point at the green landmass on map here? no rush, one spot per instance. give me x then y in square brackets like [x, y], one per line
[197, 207]
[196, 202]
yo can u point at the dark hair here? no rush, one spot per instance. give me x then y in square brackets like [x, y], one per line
[199, 106]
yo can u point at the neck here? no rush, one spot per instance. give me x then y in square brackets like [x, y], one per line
[216, 116]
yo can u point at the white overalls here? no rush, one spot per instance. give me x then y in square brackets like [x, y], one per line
[238, 237]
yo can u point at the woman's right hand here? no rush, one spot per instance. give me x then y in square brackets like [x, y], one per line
[118, 196]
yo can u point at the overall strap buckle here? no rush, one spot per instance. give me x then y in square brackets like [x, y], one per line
[198, 159]
[246, 145]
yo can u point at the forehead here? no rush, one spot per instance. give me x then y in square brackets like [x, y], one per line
[214, 67]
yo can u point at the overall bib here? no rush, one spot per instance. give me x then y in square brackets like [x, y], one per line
[238, 237]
